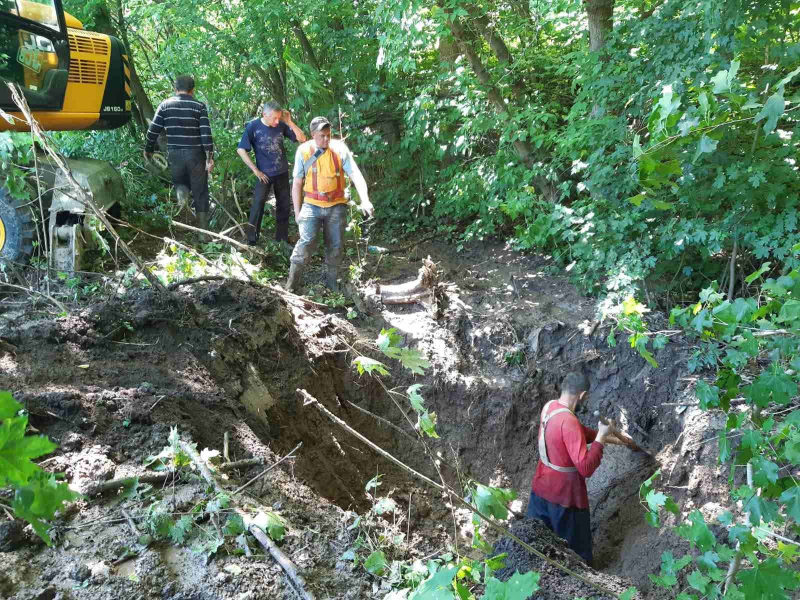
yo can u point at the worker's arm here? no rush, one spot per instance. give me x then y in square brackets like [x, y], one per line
[351, 168]
[243, 150]
[297, 196]
[249, 162]
[153, 131]
[299, 136]
[586, 461]
[206, 138]
[590, 433]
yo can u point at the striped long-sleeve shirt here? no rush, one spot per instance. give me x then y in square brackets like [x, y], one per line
[186, 122]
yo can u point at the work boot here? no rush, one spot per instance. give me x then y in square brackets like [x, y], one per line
[295, 273]
[331, 279]
[202, 223]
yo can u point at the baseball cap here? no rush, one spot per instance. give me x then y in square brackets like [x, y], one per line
[319, 123]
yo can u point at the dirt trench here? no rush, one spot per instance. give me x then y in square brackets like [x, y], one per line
[107, 383]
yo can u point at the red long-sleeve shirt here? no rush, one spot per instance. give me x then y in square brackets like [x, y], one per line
[566, 442]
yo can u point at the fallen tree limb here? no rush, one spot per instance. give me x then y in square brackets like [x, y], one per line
[192, 280]
[115, 484]
[285, 563]
[452, 494]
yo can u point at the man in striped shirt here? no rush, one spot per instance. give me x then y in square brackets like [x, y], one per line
[190, 145]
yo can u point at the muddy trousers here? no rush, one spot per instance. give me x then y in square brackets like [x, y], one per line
[572, 524]
[283, 201]
[188, 168]
[332, 221]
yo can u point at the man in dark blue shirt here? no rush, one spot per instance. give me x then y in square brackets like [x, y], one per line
[265, 137]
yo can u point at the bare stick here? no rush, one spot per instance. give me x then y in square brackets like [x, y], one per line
[108, 486]
[226, 447]
[157, 401]
[224, 238]
[267, 470]
[286, 564]
[240, 464]
[454, 496]
[384, 421]
[58, 304]
[82, 196]
[131, 524]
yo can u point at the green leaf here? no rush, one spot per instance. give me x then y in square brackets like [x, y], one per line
[655, 500]
[40, 499]
[765, 472]
[767, 581]
[708, 561]
[492, 500]
[388, 342]
[724, 447]
[364, 364]
[426, 422]
[705, 146]
[17, 450]
[270, 523]
[414, 360]
[384, 505]
[753, 276]
[772, 111]
[698, 581]
[790, 311]
[417, 401]
[628, 594]
[376, 562]
[697, 532]
[518, 587]
[178, 531]
[8, 406]
[234, 525]
[759, 509]
[707, 395]
[791, 498]
[724, 79]
[437, 587]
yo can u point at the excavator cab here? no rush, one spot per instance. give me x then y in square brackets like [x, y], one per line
[72, 79]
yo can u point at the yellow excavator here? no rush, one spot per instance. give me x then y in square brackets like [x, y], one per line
[72, 79]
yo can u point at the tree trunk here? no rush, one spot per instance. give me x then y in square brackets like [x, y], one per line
[308, 49]
[600, 13]
[498, 46]
[524, 149]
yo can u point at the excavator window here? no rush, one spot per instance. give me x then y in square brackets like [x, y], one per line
[34, 56]
[44, 12]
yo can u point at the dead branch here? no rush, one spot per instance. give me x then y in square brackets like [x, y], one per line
[224, 238]
[108, 486]
[57, 304]
[452, 494]
[267, 470]
[82, 195]
[192, 280]
[241, 464]
[286, 564]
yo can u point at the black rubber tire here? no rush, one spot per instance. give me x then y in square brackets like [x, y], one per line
[19, 228]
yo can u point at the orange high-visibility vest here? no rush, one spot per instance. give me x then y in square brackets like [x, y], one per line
[324, 185]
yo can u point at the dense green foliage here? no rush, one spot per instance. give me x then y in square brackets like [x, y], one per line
[495, 119]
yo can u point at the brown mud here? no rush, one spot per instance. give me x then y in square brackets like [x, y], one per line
[110, 380]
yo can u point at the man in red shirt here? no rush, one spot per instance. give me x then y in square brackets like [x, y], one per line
[558, 490]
